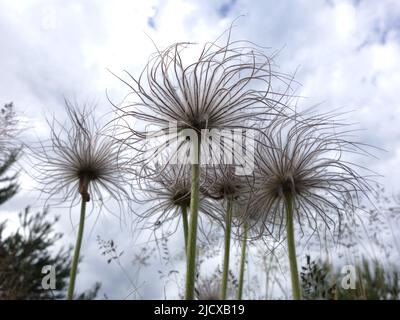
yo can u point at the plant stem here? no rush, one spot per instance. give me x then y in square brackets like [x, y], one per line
[192, 236]
[185, 226]
[242, 263]
[77, 250]
[292, 248]
[225, 273]
[84, 183]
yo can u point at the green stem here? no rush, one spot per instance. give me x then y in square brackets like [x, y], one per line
[192, 236]
[242, 263]
[225, 273]
[83, 189]
[77, 250]
[185, 225]
[292, 248]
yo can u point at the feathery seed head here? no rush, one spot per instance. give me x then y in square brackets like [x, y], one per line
[209, 288]
[228, 86]
[303, 158]
[79, 158]
[166, 191]
[223, 184]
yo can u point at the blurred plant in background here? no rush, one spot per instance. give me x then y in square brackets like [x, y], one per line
[25, 252]
[373, 281]
[9, 151]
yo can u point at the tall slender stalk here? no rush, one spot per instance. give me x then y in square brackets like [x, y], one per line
[292, 247]
[242, 263]
[225, 272]
[185, 225]
[192, 236]
[83, 189]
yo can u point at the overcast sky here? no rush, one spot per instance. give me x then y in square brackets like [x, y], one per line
[345, 54]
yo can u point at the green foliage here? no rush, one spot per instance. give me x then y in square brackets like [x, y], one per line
[23, 255]
[8, 152]
[315, 280]
[8, 122]
[373, 282]
[11, 187]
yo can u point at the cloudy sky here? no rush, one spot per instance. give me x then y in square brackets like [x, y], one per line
[345, 55]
